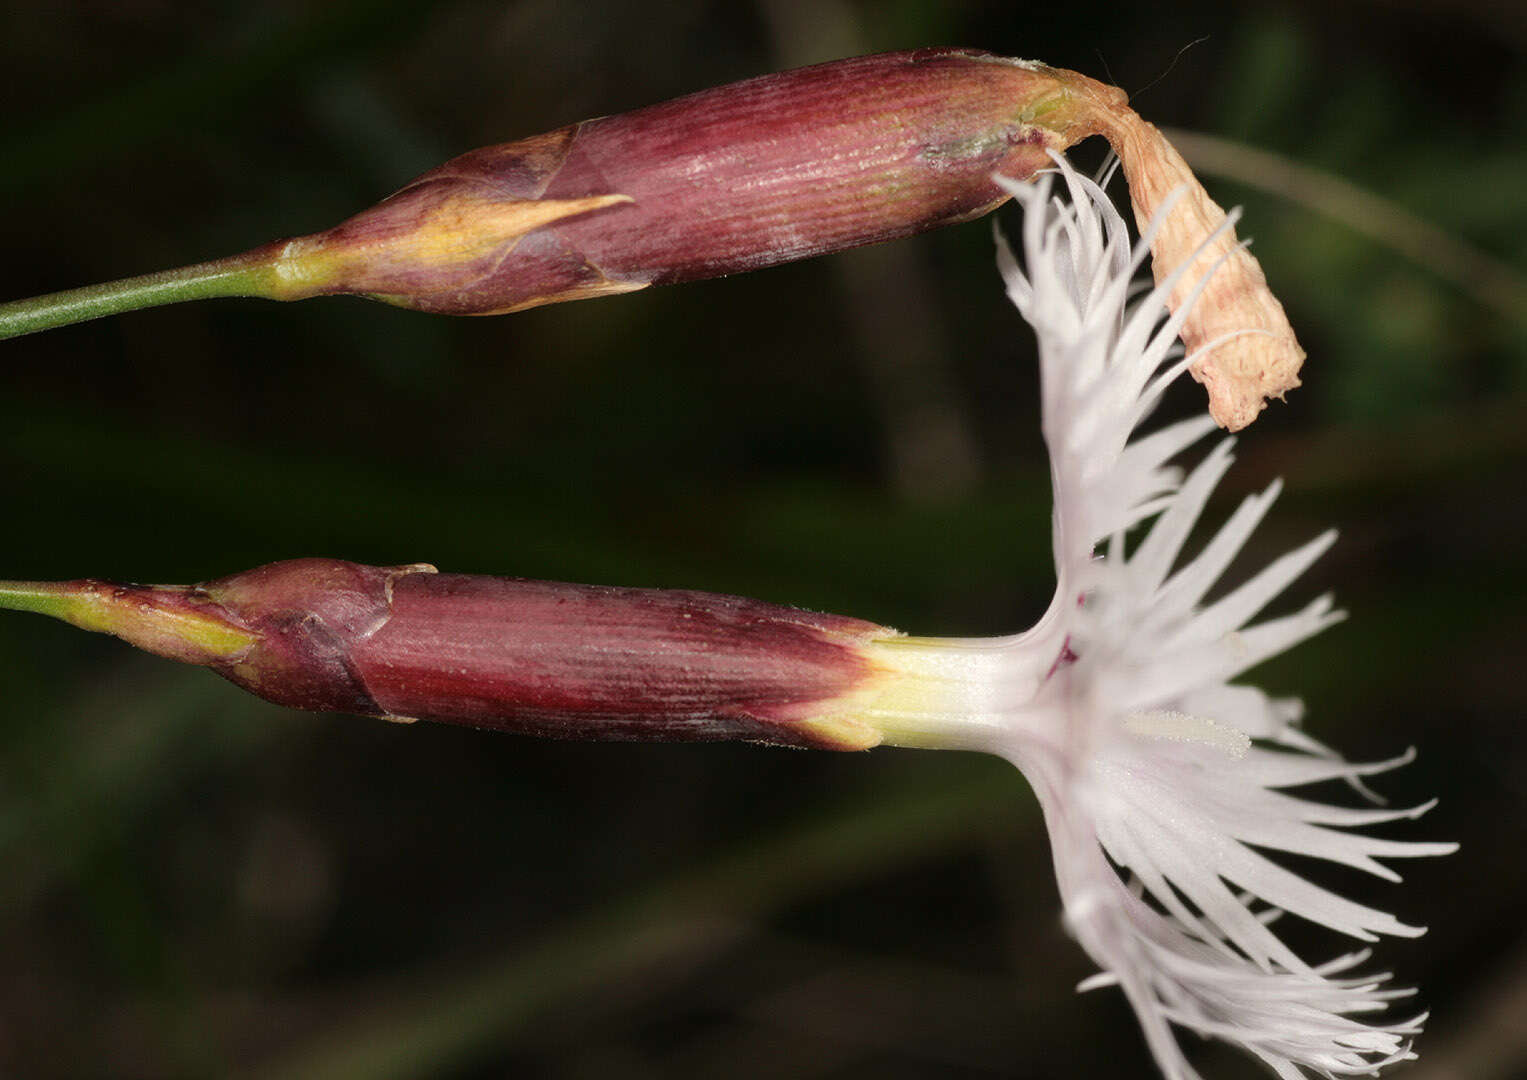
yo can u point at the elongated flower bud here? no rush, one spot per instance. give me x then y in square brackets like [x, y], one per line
[752, 174]
[543, 658]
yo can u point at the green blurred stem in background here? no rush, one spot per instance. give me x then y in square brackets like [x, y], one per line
[1491, 281]
[435, 1022]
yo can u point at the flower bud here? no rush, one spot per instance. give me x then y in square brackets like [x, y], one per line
[752, 174]
[784, 167]
[734, 178]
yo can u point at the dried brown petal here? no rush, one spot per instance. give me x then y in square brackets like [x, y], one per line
[1249, 349]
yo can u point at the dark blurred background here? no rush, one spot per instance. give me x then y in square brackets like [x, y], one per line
[193, 883]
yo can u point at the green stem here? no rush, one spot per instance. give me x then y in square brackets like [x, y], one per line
[250, 274]
[41, 597]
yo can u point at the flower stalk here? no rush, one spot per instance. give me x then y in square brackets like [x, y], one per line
[240, 275]
[765, 171]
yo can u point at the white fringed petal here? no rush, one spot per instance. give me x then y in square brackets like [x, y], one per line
[1159, 804]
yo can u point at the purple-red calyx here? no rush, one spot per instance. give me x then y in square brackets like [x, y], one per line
[543, 658]
[755, 173]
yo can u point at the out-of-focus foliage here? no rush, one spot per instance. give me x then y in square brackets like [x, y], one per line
[192, 883]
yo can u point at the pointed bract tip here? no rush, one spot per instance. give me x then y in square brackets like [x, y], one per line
[169, 620]
[432, 237]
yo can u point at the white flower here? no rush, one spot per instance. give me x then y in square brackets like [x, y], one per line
[1162, 782]
[1143, 754]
